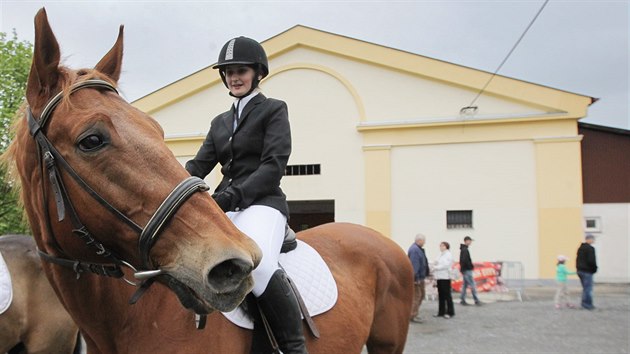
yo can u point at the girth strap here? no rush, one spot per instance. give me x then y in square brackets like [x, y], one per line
[307, 316]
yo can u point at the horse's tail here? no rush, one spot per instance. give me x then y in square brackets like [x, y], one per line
[394, 297]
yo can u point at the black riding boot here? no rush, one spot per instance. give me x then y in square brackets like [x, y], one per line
[282, 311]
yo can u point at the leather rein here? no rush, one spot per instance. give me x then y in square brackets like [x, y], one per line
[51, 162]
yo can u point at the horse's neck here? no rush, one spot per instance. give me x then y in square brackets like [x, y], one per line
[156, 323]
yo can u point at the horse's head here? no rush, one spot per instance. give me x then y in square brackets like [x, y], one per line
[120, 153]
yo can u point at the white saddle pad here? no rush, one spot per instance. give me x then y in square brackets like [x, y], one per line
[312, 277]
[6, 289]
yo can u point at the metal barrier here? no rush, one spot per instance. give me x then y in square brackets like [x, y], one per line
[511, 277]
[430, 289]
[493, 279]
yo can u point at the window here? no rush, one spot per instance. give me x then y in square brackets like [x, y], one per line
[459, 219]
[302, 170]
[592, 224]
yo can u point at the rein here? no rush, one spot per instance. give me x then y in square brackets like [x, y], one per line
[51, 162]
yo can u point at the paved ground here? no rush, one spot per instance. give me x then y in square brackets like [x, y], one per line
[531, 326]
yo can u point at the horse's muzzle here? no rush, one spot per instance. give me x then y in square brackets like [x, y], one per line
[228, 276]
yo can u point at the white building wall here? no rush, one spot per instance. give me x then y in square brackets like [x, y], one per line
[387, 94]
[323, 117]
[495, 180]
[191, 116]
[612, 240]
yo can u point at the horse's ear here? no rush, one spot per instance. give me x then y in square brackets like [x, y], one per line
[111, 64]
[45, 72]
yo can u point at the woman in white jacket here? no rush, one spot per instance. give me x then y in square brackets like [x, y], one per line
[442, 272]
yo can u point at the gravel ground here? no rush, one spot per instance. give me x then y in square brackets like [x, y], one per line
[530, 326]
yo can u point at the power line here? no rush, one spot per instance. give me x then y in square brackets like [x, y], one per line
[470, 106]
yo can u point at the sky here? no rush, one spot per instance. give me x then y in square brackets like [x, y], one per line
[576, 46]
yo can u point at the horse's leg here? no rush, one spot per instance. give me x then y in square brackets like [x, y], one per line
[9, 337]
[388, 333]
[383, 267]
[13, 320]
[50, 327]
[51, 330]
[375, 282]
[18, 349]
[51, 340]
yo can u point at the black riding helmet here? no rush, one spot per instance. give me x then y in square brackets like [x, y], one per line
[244, 51]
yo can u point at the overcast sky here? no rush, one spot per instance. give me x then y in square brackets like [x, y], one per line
[576, 46]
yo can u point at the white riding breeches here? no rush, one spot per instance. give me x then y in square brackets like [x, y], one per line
[266, 226]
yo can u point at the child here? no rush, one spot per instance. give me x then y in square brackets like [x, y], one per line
[562, 294]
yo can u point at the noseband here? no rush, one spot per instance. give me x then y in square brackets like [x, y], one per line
[51, 160]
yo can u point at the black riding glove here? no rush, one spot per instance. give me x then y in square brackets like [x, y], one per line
[224, 199]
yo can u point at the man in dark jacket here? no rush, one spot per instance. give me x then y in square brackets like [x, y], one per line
[466, 267]
[420, 270]
[586, 265]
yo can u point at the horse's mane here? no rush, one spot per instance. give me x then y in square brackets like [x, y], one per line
[7, 159]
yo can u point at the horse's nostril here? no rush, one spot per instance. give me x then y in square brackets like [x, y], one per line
[228, 275]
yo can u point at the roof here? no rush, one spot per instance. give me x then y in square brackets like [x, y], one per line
[390, 58]
[605, 129]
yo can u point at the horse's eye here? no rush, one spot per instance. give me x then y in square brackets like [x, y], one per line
[91, 143]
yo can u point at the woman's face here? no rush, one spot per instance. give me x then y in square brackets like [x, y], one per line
[239, 79]
[442, 247]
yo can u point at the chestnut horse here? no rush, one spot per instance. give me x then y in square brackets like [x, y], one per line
[93, 168]
[35, 322]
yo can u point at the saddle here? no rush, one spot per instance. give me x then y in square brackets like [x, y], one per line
[307, 272]
[6, 287]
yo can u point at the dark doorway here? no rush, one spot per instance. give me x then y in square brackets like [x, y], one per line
[310, 213]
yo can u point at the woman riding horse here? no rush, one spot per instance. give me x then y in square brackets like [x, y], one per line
[252, 141]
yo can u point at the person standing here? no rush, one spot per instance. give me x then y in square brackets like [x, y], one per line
[442, 272]
[466, 267]
[562, 293]
[420, 270]
[586, 265]
[252, 142]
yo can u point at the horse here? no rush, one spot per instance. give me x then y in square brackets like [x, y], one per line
[92, 169]
[35, 322]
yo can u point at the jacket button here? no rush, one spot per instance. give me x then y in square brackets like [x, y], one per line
[237, 209]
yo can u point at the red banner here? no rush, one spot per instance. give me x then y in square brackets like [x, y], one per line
[485, 276]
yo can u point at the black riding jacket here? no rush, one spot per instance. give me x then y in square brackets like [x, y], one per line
[253, 158]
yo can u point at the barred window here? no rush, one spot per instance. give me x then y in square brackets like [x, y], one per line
[593, 224]
[459, 219]
[302, 170]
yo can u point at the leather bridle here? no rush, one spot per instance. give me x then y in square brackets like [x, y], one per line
[51, 161]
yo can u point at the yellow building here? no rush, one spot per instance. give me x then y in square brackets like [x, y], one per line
[382, 142]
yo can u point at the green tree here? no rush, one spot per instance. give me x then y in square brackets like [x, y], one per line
[15, 61]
